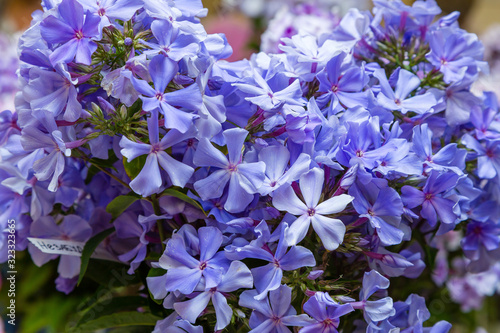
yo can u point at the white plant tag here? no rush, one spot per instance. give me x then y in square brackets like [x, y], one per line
[69, 248]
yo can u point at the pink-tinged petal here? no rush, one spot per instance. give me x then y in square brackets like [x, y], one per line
[334, 205]
[330, 231]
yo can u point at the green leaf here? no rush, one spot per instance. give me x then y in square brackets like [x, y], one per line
[119, 319]
[109, 306]
[179, 195]
[89, 248]
[135, 166]
[119, 204]
[110, 274]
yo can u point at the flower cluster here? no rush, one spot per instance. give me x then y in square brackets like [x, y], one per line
[281, 191]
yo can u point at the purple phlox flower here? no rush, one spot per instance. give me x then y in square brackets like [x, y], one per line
[273, 313]
[269, 277]
[237, 276]
[177, 13]
[73, 31]
[459, 103]
[162, 71]
[455, 53]
[52, 165]
[433, 198]
[383, 207]
[400, 161]
[378, 310]
[413, 254]
[484, 117]
[450, 157]
[275, 94]
[174, 324]
[184, 272]
[398, 99]
[389, 263]
[331, 231]
[110, 10]
[361, 144]
[480, 234]
[325, 312]
[353, 26]
[300, 127]
[343, 84]
[149, 180]
[488, 156]
[128, 226]
[411, 314]
[54, 91]
[72, 228]
[244, 178]
[276, 158]
[171, 43]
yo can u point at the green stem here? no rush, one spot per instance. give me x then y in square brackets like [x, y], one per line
[159, 223]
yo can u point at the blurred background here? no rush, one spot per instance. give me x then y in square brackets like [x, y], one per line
[244, 20]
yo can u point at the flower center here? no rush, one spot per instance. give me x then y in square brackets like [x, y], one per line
[429, 196]
[79, 34]
[371, 212]
[311, 212]
[232, 167]
[101, 11]
[159, 96]
[397, 101]
[203, 265]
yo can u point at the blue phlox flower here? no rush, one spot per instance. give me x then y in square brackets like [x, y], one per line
[184, 272]
[331, 231]
[325, 312]
[276, 158]
[162, 71]
[110, 10]
[237, 276]
[170, 42]
[343, 84]
[398, 99]
[244, 178]
[269, 277]
[433, 198]
[383, 207]
[273, 313]
[73, 30]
